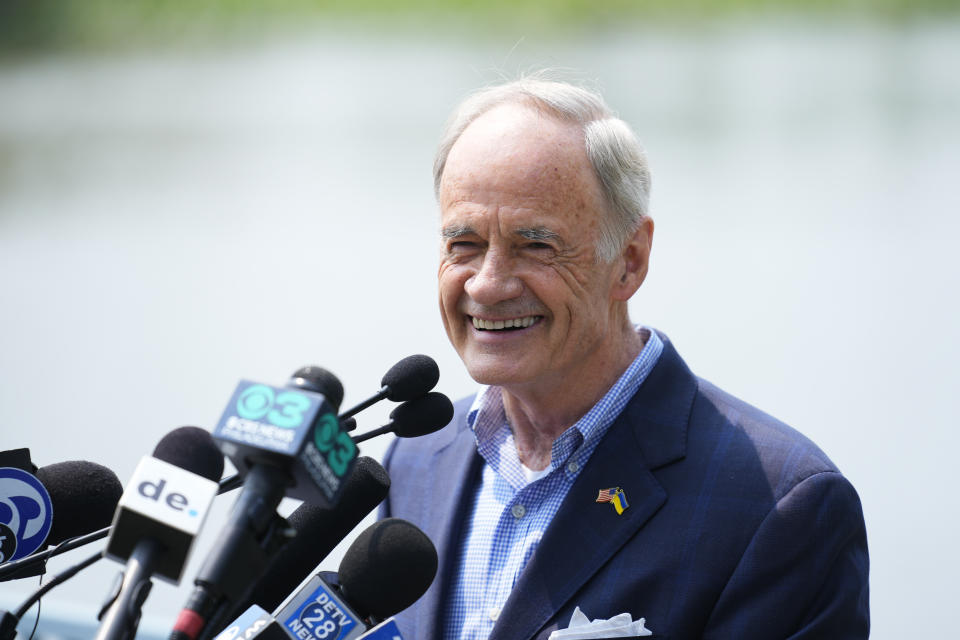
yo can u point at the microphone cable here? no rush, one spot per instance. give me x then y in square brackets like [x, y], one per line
[67, 545]
[9, 621]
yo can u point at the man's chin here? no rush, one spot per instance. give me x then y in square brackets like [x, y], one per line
[494, 372]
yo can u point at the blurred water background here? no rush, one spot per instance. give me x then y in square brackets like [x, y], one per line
[194, 193]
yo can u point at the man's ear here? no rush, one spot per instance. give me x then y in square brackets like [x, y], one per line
[634, 260]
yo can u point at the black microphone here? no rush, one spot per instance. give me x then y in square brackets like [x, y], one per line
[159, 515]
[408, 379]
[318, 380]
[283, 441]
[192, 449]
[415, 418]
[387, 568]
[411, 377]
[319, 531]
[83, 496]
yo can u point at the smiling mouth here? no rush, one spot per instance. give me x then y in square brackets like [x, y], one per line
[503, 325]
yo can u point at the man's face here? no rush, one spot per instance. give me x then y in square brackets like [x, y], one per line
[523, 299]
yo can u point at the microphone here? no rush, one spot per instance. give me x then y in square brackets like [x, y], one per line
[159, 515]
[415, 418]
[191, 449]
[318, 380]
[167, 499]
[83, 496]
[411, 377]
[283, 441]
[319, 531]
[292, 430]
[408, 379]
[387, 568]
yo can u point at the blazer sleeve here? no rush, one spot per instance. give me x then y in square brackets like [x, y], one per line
[804, 574]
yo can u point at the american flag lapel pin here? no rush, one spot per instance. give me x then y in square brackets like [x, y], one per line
[615, 496]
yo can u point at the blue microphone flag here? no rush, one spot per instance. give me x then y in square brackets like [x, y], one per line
[26, 514]
[318, 613]
[386, 630]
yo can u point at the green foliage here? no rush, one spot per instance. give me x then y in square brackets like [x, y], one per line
[29, 25]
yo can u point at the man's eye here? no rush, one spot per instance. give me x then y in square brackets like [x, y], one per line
[462, 245]
[539, 245]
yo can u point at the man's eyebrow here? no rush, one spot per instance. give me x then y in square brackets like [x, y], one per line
[537, 233]
[529, 233]
[456, 231]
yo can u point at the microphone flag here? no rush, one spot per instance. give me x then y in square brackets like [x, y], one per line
[26, 514]
[255, 622]
[318, 613]
[262, 422]
[386, 630]
[165, 503]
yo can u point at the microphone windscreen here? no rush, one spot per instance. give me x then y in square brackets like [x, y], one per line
[411, 378]
[83, 495]
[193, 449]
[422, 415]
[319, 380]
[319, 531]
[387, 568]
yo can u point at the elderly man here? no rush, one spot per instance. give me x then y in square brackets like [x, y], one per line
[593, 469]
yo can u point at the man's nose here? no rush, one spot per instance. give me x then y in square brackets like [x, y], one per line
[494, 282]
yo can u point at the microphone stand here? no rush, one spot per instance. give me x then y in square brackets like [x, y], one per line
[122, 618]
[252, 535]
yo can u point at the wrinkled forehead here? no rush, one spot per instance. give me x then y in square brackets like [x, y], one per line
[518, 154]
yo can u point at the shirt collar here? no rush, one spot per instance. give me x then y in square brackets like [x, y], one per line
[487, 417]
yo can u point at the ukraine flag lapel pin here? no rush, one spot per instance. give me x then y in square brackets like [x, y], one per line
[616, 496]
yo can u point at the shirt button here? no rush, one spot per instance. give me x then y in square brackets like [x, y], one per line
[518, 511]
[573, 467]
[494, 613]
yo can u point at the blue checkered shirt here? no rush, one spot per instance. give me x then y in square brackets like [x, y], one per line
[511, 511]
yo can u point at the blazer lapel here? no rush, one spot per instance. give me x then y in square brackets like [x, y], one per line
[455, 466]
[584, 535]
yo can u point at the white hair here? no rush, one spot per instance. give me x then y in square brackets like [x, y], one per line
[617, 157]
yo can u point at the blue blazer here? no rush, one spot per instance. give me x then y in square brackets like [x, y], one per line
[737, 526]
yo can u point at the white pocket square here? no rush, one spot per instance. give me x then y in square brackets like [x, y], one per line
[619, 626]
